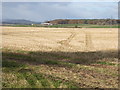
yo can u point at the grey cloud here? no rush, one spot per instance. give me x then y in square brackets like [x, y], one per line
[48, 11]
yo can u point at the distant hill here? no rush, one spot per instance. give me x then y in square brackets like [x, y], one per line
[18, 21]
[85, 21]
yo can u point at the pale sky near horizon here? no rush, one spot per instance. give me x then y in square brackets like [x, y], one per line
[43, 11]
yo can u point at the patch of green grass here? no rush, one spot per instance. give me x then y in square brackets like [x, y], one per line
[47, 80]
[71, 26]
[58, 83]
[14, 80]
[18, 56]
[51, 62]
[30, 79]
[67, 64]
[82, 26]
[30, 57]
[104, 26]
[17, 72]
[42, 79]
[105, 63]
[11, 64]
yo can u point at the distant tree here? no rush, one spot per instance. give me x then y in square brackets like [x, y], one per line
[76, 26]
[85, 22]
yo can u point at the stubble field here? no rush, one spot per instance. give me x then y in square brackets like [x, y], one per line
[36, 57]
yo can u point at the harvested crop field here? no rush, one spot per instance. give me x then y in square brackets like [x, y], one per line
[60, 39]
[60, 57]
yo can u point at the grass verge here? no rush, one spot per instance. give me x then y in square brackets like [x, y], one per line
[24, 69]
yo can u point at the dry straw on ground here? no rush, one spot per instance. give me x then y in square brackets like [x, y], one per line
[63, 39]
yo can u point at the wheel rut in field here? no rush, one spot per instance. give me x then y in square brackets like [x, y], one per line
[67, 41]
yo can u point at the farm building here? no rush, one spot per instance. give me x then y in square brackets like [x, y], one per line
[47, 24]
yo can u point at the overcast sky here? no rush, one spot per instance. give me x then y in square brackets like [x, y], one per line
[43, 11]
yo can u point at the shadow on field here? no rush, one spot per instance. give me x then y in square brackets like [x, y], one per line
[56, 58]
